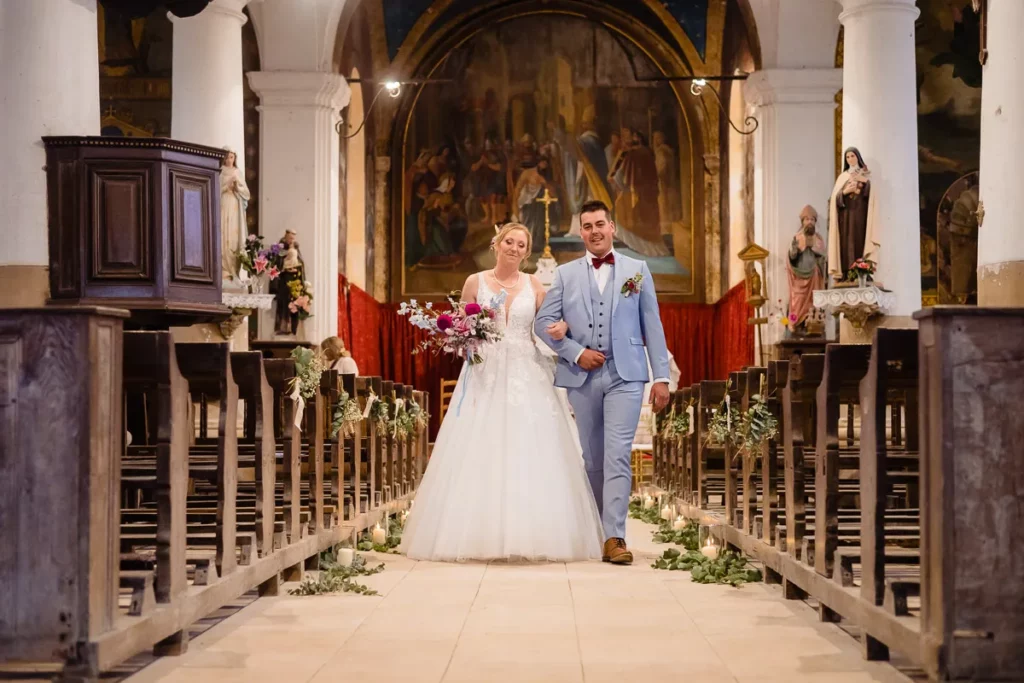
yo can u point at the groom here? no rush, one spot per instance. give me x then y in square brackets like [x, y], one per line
[609, 303]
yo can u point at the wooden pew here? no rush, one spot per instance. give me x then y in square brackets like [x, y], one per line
[151, 373]
[777, 377]
[207, 368]
[845, 366]
[737, 393]
[972, 538]
[61, 435]
[893, 368]
[712, 393]
[258, 397]
[798, 424]
[694, 448]
[755, 378]
[279, 375]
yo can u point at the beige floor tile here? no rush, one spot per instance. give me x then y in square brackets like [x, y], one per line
[489, 623]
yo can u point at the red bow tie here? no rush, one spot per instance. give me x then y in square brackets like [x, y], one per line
[608, 258]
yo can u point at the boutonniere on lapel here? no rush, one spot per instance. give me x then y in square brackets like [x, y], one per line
[633, 285]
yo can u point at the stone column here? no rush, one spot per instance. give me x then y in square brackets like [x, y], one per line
[206, 79]
[1000, 247]
[793, 162]
[49, 85]
[880, 119]
[299, 178]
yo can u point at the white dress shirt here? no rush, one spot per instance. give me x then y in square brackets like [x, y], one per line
[601, 276]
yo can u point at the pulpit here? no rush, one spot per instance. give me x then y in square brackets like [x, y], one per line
[134, 223]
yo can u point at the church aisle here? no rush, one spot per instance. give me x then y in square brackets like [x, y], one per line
[560, 623]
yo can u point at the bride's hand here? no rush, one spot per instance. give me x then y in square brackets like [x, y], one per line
[557, 330]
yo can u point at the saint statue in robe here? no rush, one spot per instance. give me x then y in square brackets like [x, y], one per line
[851, 216]
[293, 269]
[805, 267]
[234, 198]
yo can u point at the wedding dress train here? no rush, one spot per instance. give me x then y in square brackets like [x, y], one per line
[506, 478]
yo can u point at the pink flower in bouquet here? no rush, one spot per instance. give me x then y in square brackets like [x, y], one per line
[492, 313]
[792, 318]
[472, 308]
[260, 263]
[299, 302]
[273, 272]
[444, 322]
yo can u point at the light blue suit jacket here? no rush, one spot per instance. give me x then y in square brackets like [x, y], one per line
[635, 321]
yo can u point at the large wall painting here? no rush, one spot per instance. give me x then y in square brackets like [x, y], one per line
[545, 103]
[949, 135]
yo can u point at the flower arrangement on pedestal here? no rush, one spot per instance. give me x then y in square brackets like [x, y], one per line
[862, 270]
[257, 261]
[301, 292]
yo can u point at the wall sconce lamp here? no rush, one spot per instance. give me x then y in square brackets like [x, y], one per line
[393, 89]
[698, 85]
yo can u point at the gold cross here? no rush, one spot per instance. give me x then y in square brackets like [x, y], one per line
[547, 200]
[110, 111]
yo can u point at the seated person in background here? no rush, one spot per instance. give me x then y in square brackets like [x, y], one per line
[339, 358]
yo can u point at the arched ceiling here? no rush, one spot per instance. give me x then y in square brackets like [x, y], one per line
[426, 16]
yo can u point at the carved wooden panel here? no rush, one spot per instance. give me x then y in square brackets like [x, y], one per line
[119, 240]
[65, 245]
[195, 249]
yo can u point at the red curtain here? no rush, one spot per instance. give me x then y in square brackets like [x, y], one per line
[708, 341]
[734, 336]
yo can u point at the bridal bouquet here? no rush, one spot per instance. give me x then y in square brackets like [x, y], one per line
[461, 331]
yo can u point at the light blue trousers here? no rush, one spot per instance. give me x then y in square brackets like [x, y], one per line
[607, 410]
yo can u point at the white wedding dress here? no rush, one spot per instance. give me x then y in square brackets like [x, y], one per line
[506, 478]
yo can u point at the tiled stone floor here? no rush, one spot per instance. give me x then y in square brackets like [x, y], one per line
[560, 623]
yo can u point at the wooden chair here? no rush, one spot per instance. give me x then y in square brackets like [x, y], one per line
[447, 391]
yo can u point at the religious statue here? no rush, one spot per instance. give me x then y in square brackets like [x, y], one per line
[851, 216]
[286, 321]
[234, 198]
[805, 267]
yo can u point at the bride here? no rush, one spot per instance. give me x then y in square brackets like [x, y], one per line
[506, 478]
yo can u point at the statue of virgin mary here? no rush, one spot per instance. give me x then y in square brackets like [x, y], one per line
[234, 198]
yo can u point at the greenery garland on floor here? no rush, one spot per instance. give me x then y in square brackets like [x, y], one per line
[729, 568]
[390, 546]
[334, 578]
[688, 536]
[637, 511]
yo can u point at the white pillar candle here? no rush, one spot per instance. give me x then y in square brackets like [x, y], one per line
[709, 550]
[666, 513]
[346, 556]
[679, 524]
[379, 536]
[648, 503]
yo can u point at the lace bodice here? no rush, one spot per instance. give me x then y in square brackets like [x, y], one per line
[522, 309]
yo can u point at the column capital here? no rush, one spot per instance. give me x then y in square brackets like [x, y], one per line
[228, 8]
[853, 8]
[793, 86]
[300, 89]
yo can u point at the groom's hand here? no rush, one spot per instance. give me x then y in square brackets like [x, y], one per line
[659, 396]
[591, 360]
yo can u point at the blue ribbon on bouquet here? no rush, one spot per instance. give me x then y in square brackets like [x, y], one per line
[468, 369]
[497, 301]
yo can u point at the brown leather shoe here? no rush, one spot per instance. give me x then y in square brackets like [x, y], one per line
[615, 551]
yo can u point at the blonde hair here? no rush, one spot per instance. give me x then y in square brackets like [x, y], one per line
[333, 349]
[504, 230]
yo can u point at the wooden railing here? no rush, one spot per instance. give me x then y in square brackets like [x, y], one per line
[110, 549]
[890, 493]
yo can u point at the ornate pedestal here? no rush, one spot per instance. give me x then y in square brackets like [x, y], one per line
[242, 304]
[856, 304]
[134, 223]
